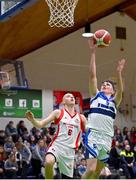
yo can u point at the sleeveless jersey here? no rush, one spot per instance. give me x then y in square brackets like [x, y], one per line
[102, 114]
[68, 130]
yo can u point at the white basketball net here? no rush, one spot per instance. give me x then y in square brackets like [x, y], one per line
[61, 12]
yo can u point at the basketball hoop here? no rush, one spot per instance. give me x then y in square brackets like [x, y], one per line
[4, 80]
[61, 12]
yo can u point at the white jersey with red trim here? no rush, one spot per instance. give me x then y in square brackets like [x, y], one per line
[69, 129]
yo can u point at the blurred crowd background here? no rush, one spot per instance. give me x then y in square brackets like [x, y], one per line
[22, 153]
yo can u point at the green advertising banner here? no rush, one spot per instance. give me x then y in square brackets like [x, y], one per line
[14, 103]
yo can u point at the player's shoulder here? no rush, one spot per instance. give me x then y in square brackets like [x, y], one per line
[95, 94]
[57, 112]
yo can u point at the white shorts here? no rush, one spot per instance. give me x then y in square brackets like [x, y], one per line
[97, 145]
[64, 157]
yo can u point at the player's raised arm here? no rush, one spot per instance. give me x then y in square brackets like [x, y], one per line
[92, 70]
[39, 124]
[118, 95]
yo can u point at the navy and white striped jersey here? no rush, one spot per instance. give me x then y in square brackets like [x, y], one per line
[102, 114]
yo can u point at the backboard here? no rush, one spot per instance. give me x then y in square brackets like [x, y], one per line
[12, 76]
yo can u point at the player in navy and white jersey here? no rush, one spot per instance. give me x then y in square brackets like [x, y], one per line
[103, 104]
[67, 139]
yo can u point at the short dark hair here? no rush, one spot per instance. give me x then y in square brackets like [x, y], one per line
[111, 82]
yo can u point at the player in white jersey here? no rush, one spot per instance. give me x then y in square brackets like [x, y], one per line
[62, 148]
[103, 104]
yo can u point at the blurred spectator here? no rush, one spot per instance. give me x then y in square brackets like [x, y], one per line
[27, 144]
[82, 167]
[1, 169]
[56, 104]
[2, 159]
[38, 135]
[134, 151]
[32, 142]
[9, 144]
[48, 138]
[18, 159]
[114, 159]
[44, 131]
[127, 137]
[33, 131]
[45, 139]
[2, 137]
[127, 162]
[38, 156]
[25, 136]
[52, 129]
[76, 173]
[10, 130]
[115, 129]
[78, 107]
[118, 136]
[78, 156]
[125, 142]
[11, 167]
[26, 157]
[125, 130]
[2, 153]
[21, 128]
[133, 135]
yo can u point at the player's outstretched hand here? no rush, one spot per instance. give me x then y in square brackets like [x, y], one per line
[121, 65]
[29, 115]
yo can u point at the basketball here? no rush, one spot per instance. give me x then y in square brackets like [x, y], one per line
[102, 38]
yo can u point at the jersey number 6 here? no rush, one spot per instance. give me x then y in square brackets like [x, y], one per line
[69, 132]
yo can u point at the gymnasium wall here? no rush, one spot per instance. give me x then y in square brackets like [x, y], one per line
[64, 64]
[47, 105]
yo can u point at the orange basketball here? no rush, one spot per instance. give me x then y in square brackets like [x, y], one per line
[102, 38]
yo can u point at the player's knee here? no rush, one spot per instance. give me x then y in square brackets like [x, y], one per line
[92, 165]
[92, 169]
[49, 160]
